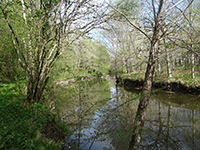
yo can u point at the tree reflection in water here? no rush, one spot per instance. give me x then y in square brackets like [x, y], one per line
[109, 125]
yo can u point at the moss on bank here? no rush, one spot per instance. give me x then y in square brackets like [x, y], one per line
[27, 126]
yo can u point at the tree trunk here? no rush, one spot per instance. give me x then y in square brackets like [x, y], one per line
[159, 66]
[139, 70]
[193, 130]
[146, 91]
[124, 66]
[169, 73]
[117, 95]
[37, 82]
[144, 100]
[192, 69]
[168, 127]
[35, 89]
[182, 61]
[177, 63]
[115, 68]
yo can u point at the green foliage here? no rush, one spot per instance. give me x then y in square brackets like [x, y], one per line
[84, 58]
[134, 76]
[98, 56]
[89, 93]
[128, 7]
[20, 125]
[9, 68]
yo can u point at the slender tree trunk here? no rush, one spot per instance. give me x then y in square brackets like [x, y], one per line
[75, 66]
[168, 127]
[139, 70]
[146, 91]
[182, 61]
[35, 88]
[169, 73]
[144, 100]
[177, 63]
[191, 46]
[37, 82]
[115, 68]
[160, 121]
[159, 65]
[173, 64]
[117, 94]
[124, 66]
[193, 130]
[192, 69]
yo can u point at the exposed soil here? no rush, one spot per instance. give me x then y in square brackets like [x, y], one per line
[177, 87]
[51, 131]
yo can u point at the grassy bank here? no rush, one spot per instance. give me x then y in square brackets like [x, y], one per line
[24, 126]
[184, 77]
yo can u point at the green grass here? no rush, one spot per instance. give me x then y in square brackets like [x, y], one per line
[184, 77]
[177, 76]
[134, 76]
[21, 125]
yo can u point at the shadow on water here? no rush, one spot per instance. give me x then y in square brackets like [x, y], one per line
[101, 117]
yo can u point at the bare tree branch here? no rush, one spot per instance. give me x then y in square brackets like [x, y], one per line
[130, 22]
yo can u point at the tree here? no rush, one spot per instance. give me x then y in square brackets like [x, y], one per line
[187, 37]
[123, 44]
[43, 29]
[159, 10]
[8, 61]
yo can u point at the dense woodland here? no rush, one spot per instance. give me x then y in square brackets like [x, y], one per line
[46, 42]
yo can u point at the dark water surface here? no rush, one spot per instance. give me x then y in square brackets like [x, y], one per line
[101, 117]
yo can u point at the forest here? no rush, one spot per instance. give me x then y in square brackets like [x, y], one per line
[107, 74]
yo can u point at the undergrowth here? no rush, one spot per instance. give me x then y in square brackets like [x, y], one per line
[21, 124]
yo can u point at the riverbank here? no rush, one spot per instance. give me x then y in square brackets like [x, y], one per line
[108, 112]
[85, 78]
[27, 126]
[179, 83]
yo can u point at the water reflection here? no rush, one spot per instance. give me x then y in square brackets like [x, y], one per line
[104, 119]
[171, 128]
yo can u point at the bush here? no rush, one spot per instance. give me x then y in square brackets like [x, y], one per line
[21, 125]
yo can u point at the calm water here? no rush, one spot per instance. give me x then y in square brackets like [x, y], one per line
[101, 117]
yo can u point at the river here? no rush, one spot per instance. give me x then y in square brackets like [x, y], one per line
[100, 116]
